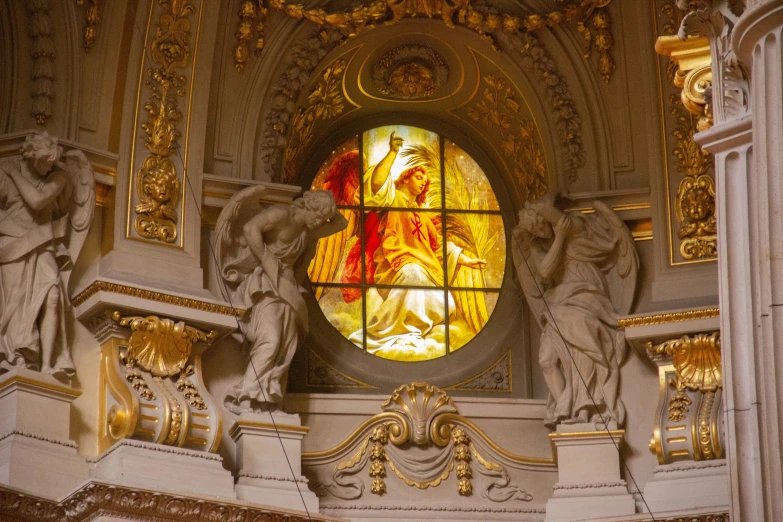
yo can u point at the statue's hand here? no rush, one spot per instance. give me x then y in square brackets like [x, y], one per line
[395, 142]
[563, 227]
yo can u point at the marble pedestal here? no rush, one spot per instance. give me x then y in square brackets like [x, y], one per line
[157, 467]
[589, 483]
[267, 452]
[36, 453]
[688, 485]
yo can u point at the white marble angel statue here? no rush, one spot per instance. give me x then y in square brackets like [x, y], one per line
[47, 201]
[264, 254]
[578, 273]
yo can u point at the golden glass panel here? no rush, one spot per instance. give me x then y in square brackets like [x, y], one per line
[467, 187]
[419, 150]
[406, 324]
[482, 237]
[473, 310]
[343, 308]
[331, 252]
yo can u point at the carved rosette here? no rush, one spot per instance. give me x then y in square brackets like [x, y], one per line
[410, 72]
[152, 389]
[420, 419]
[158, 187]
[689, 370]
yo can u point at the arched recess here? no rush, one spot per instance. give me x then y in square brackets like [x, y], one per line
[294, 129]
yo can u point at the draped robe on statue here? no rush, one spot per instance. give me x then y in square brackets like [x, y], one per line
[31, 258]
[277, 323]
[579, 301]
[409, 253]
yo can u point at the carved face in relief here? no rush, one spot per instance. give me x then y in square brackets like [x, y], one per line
[412, 80]
[698, 204]
[161, 186]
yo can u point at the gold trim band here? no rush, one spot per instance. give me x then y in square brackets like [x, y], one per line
[674, 317]
[104, 286]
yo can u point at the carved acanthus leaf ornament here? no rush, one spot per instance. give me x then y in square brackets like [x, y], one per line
[157, 182]
[92, 19]
[593, 21]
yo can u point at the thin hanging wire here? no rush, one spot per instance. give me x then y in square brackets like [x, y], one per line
[568, 350]
[224, 291]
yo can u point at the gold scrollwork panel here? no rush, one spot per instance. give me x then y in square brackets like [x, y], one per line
[688, 417]
[156, 213]
[147, 394]
[685, 110]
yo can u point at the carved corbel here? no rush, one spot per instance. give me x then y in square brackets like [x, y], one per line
[693, 74]
[687, 421]
[152, 389]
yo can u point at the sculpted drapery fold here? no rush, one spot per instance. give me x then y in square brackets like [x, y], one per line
[578, 273]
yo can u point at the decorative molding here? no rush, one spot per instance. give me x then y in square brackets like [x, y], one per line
[303, 59]
[433, 508]
[278, 478]
[497, 377]
[321, 374]
[593, 21]
[92, 19]
[52, 440]
[157, 183]
[105, 286]
[326, 100]
[688, 466]
[160, 346]
[500, 110]
[672, 317]
[42, 53]
[157, 447]
[142, 505]
[410, 72]
[689, 372]
[591, 485]
[423, 416]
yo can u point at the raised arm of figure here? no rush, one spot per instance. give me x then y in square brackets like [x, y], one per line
[43, 195]
[382, 170]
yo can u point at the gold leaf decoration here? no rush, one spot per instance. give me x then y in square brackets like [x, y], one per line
[589, 13]
[158, 185]
[499, 110]
[160, 346]
[325, 101]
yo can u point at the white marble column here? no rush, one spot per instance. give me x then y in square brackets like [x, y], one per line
[749, 170]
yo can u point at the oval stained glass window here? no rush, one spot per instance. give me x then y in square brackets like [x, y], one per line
[417, 272]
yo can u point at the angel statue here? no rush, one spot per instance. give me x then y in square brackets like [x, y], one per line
[578, 272]
[263, 255]
[47, 201]
[404, 253]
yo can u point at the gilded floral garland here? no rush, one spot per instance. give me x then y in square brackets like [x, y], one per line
[593, 21]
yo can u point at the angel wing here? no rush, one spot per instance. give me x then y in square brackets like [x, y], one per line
[343, 181]
[76, 203]
[234, 257]
[622, 269]
[527, 272]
